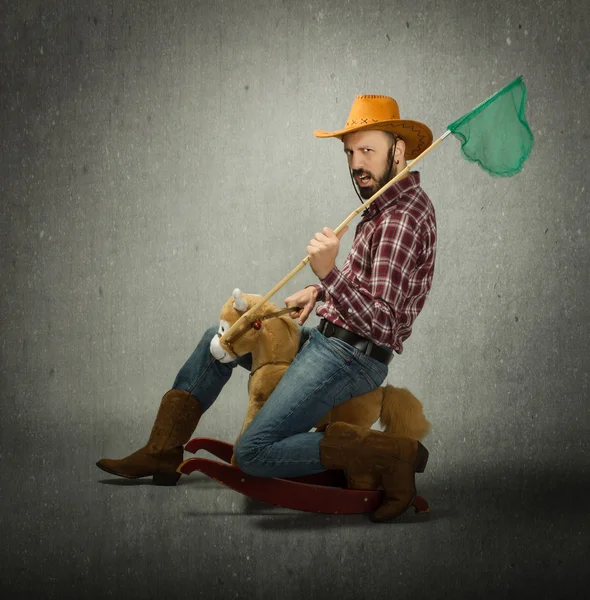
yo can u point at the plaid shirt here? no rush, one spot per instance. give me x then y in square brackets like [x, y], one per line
[387, 275]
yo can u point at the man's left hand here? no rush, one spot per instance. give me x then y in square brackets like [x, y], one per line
[323, 250]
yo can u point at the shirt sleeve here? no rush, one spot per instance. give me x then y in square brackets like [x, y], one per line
[376, 311]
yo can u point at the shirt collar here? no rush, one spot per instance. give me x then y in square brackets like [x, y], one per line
[392, 193]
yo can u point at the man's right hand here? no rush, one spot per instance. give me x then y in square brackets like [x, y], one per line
[306, 300]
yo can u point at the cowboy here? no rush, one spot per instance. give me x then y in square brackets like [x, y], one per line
[367, 310]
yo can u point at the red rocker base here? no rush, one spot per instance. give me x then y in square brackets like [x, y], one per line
[322, 493]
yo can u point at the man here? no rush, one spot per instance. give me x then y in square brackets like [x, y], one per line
[367, 313]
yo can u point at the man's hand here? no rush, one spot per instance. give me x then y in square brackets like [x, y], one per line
[306, 300]
[323, 250]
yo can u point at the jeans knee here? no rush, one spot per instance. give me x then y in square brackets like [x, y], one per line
[246, 456]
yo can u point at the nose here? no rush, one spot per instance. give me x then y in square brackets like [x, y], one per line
[355, 161]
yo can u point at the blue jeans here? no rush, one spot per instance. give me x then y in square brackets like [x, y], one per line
[278, 442]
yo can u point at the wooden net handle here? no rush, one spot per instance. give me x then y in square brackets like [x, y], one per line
[250, 315]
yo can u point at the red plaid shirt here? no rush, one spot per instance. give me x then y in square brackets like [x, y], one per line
[386, 277]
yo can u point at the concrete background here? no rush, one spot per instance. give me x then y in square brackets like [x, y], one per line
[155, 155]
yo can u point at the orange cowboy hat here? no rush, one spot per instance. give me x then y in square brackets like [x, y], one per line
[371, 111]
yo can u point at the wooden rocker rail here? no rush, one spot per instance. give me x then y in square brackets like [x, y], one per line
[324, 492]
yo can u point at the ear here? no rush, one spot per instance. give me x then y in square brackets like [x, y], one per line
[240, 303]
[400, 149]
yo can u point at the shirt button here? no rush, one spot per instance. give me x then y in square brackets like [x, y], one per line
[350, 310]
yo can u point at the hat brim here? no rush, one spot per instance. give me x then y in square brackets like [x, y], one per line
[416, 135]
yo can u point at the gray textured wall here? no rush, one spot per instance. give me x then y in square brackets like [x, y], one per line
[155, 155]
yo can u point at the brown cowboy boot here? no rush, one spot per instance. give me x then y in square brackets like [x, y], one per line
[176, 421]
[373, 458]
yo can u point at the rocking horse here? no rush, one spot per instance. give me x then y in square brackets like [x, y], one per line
[273, 341]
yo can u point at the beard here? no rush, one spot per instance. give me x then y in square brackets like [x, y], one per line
[367, 191]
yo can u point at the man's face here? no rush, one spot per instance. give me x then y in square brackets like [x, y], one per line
[370, 158]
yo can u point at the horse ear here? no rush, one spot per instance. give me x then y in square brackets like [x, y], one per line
[240, 303]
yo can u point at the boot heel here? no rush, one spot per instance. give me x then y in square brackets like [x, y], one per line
[421, 459]
[165, 478]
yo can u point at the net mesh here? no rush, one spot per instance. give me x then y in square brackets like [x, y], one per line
[496, 134]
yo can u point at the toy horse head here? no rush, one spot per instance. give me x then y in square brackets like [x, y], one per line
[274, 337]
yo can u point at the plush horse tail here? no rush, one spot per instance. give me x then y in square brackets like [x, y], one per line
[402, 414]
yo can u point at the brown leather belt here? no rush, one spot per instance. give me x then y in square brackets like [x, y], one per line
[328, 329]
